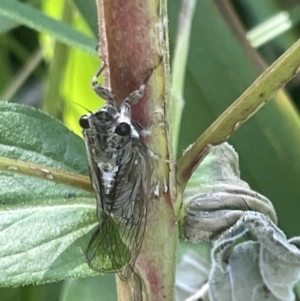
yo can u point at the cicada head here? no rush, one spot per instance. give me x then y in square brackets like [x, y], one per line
[110, 132]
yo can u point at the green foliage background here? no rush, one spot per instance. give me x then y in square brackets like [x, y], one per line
[219, 69]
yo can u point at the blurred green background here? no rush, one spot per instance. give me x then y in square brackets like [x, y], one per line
[50, 66]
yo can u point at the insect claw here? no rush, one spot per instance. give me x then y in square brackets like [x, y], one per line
[104, 65]
[151, 71]
[101, 91]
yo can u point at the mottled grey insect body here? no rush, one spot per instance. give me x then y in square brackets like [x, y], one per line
[112, 153]
[120, 174]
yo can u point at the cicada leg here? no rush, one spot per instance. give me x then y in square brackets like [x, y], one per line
[101, 91]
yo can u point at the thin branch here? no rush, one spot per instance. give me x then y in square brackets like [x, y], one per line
[48, 173]
[134, 37]
[252, 100]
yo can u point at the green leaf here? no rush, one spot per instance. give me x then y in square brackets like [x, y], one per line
[30, 135]
[76, 90]
[100, 288]
[43, 244]
[219, 69]
[255, 14]
[6, 24]
[45, 227]
[26, 15]
[72, 92]
[89, 13]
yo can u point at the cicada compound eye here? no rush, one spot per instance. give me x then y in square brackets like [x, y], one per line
[123, 129]
[84, 122]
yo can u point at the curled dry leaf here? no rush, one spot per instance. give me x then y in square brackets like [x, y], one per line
[220, 207]
[216, 197]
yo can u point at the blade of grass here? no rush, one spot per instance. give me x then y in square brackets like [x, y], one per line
[26, 15]
[179, 65]
[17, 81]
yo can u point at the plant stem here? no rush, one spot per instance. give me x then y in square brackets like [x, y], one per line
[250, 102]
[47, 173]
[133, 41]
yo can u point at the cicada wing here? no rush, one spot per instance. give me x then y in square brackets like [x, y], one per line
[95, 174]
[106, 251]
[132, 227]
[117, 240]
[135, 284]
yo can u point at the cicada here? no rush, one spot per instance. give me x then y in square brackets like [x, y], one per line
[120, 173]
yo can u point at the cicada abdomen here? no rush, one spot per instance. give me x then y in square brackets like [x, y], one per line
[120, 173]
